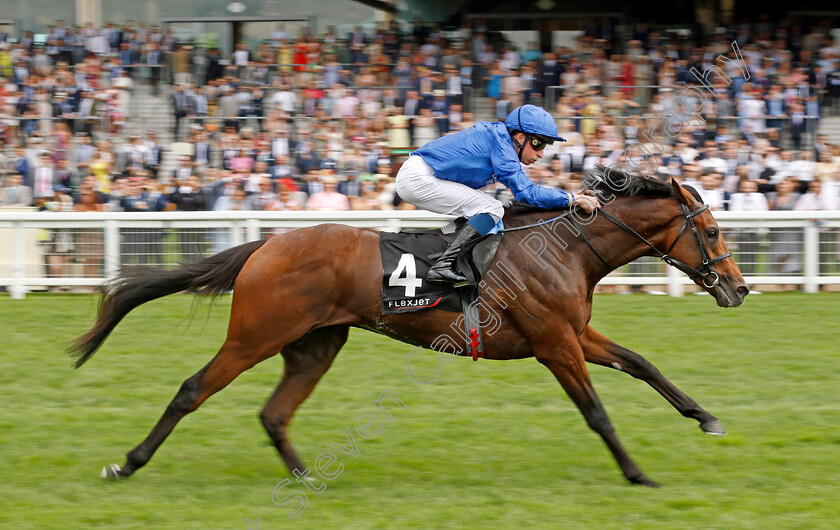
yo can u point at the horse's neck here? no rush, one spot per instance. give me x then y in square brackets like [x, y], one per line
[560, 245]
[649, 217]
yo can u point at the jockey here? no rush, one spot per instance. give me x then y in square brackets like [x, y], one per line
[444, 175]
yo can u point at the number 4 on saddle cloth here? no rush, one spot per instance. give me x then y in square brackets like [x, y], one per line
[407, 258]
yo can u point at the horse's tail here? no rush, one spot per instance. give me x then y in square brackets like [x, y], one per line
[133, 287]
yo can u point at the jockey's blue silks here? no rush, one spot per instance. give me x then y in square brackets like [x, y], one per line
[482, 155]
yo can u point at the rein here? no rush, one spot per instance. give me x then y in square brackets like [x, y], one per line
[704, 270]
[534, 225]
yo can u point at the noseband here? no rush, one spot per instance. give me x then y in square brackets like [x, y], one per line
[704, 270]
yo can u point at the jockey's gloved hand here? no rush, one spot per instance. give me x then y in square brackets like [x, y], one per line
[585, 201]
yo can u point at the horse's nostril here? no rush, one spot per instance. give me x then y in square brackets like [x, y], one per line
[744, 290]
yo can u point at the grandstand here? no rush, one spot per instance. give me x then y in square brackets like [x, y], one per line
[144, 116]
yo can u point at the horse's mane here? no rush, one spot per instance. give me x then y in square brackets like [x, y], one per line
[618, 183]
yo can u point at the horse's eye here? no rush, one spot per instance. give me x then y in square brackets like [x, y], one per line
[712, 233]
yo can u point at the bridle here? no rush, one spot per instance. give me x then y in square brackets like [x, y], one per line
[704, 270]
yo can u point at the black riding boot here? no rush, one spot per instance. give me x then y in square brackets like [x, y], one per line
[445, 269]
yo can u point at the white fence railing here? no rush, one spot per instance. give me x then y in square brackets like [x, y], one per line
[40, 250]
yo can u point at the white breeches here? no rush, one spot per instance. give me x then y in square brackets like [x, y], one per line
[417, 184]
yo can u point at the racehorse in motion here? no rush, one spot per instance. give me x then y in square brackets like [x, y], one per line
[299, 293]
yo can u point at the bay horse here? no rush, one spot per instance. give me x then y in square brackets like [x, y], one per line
[298, 294]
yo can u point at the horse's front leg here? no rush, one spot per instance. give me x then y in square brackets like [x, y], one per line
[598, 349]
[561, 353]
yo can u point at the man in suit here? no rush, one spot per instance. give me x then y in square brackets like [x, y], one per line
[15, 193]
[412, 105]
[202, 154]
[189, 197]
[390, 99]
[86, 113]
[440, 110]
[21, 165]
[153, 153]
[126, 57]
[214, 69]
[550, 71]
[356, 43]
[84, 153]
[133, 156]
[454, 85]
[65, 178]
[529, 82]
[280, 145]
[62, 107]
[797, 124]
[411, 109]
[114, 36]
[199, 102]
[229, 108]
[351, 186]
[181, 104]
[468, 79]
[266, 198]
[813, 112]
[153, 61]
[833, 90]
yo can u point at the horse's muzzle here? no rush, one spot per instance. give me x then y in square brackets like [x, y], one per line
[730, 296]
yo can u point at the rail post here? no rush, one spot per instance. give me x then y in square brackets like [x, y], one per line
[675, 285]
[112, 248]
[811, 257]
[235, 233]
[17, 291]
[252, 230]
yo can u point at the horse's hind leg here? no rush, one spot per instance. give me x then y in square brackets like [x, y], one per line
[234, 357]
[307, 360]
[598, 349]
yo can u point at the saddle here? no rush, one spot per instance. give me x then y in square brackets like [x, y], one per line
[407, 257]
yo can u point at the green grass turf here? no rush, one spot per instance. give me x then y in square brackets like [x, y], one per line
[488, 444]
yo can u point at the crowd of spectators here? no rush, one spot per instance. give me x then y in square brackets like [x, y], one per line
[312, 122]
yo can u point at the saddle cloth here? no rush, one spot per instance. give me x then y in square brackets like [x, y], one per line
[407, 258]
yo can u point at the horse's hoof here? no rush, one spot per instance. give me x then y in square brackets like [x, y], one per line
[644, 481]
[316, 483]
[112, 471]
[713, 427]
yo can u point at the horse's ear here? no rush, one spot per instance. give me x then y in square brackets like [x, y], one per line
[681, 194]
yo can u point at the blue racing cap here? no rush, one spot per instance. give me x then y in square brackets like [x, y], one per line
[535, 121]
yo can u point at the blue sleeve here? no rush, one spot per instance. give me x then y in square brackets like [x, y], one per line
[509, 172]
